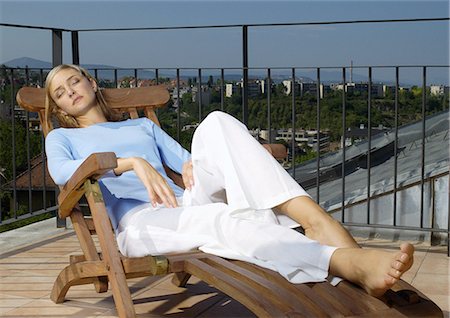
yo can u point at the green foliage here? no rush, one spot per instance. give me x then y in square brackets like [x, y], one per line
[356, 105]
[20, 142]
[23, 222]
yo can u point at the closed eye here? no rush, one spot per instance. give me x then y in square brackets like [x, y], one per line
[59, 93]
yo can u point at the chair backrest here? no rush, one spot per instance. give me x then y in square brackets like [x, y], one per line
[124, 100]
[128, 101]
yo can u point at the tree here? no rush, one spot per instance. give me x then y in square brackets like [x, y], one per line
[210, 81]
[6, 149]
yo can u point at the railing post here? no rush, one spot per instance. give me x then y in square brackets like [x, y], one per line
[56, 47]
[397, 88]
[269, 111]
[13, 131]
[245, 74]
[422, 170]
[344, 88]
[369, 137]
[178, 106]
[222, 88]
[293, 114]
[75, 48]
[199, 95]
[57, 60]
[318, 136]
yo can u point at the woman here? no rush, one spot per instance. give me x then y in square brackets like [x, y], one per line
[236, 193]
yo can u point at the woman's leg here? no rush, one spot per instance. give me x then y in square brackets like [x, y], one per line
[231, 166]
[225, 156]
[235, 168]
[318, 224]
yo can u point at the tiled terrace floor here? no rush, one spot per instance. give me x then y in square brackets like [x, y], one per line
[27, 272]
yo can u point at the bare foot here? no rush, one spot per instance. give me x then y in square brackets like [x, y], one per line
[374, 270]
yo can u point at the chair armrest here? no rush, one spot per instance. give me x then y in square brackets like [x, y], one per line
[92, 168]
[278, 151]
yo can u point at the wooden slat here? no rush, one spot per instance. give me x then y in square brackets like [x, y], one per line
[137, 97]
[269, 287]
[33, 98]
[133, 113]
[360, 297]
[90, 224]
[150, 114]
[325, 291]
[302, 292]
[177, 261]
[388, 313]
[253, 300]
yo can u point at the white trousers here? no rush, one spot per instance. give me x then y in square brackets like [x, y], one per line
[228, 211]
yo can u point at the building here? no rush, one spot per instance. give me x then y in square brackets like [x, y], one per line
[305, 138]
[205, 95]
[358, 134]
[377, 90]
[288, 87]
[302, 88]
[175, 94]
[255, 87]
[383, 157]
[230, 89]
[439, 90]
[34, 181]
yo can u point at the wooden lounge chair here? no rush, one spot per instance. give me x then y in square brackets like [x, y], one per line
[262, 291]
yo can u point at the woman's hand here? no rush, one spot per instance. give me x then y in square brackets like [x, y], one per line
[188, 175]
[157, 187]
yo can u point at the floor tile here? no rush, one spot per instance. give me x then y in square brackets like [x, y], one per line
[46, 308]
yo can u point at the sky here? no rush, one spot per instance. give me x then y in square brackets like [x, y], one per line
[418, 43]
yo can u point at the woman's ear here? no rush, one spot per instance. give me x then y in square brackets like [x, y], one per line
[94, 85]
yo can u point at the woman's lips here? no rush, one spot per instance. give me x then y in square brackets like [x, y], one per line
[76, 100]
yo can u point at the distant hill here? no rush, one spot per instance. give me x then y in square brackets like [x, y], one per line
[105, 71]
[23, 62]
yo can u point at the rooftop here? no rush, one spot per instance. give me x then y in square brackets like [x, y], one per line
[31, 258]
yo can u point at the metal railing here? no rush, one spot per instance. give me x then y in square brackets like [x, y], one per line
[268, 72]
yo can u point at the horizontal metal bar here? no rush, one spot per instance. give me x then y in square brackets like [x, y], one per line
[410, 185]
[399, 227]
[234, 25]
[29, 215]
[250, 68]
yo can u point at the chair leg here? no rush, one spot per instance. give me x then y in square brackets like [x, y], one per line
[111, 256]
[87, 246]
[75, 274]
[180, 279]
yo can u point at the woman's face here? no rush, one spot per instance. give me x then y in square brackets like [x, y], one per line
[73, 92]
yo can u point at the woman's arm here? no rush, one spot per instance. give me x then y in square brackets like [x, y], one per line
[172, 153]
[188, 175]
[157, 187]
[61, 163]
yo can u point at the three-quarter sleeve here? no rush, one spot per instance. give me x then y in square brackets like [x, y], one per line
[61, 163]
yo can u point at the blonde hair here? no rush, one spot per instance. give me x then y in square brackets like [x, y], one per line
[66, 120]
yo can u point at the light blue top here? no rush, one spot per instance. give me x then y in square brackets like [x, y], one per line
[67, 148]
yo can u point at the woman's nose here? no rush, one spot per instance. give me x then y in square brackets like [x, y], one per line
[70, 92]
